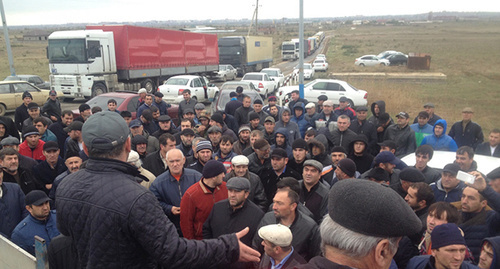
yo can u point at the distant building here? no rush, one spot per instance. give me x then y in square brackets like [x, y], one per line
[36, 36]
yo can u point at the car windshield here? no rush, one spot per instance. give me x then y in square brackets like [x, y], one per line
[224, 97]
[271, 73]
[102, 101]
[222, 67]
[252, 77]
[177, 81]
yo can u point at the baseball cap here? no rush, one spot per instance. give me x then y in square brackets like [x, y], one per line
[53, 93]
[33, 105]
[386, 157]
[50, 145]
[270, 118]
[403, 114]
[468, 110]
[188, 110]
[343, 99]
[104, 130]
[36, 197]
[451, 168]
[277, 234]
[135, 123]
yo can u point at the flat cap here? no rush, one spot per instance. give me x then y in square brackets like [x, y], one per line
[347, 166]
[204, 144]
[214, 129]
[36, 197]
[33, 105]
[277, 234]
[199, 106]
[467, 110]
[322, 97]
[310, 105]
[343, 99]
[428, 105]
[494, 174]
[105, 130]
[369, 208]
[142, 90]
[240, 160]
[253, 116]
[238, 183]
[10, 141]
[361, 108]
[164, 118]
[50, 145]
[328, 103]
[402, 114]
[314, 164]
[158, 94]
[411, 174]
[139, 139]
[279, 152]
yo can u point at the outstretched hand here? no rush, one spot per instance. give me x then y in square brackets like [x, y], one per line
[247, 254]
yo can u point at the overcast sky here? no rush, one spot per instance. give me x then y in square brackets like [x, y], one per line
[39, 12]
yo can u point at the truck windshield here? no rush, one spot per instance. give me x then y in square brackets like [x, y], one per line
[233, 50]
[289, 47]
[67, 51]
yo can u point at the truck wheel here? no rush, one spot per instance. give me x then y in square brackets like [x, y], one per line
[2, 109]
[149, 85]
[98, 88]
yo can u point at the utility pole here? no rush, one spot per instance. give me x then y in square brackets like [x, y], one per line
[301, 49]
[257, 17]
[7, 40]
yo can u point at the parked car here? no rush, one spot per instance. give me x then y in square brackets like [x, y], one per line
[125, 101]
[398, 59]
[387, 53]
[226, 72]
[485, 164]
[320, 65]
[11, 93]
[308, 71]
[276, 75]
[332, 88]
[321, 56]
[261, 81]
[223, 97]
[370, 60]
[173, 88]
[33, 79]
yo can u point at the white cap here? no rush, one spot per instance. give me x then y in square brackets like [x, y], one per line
[310, 105]
[133, 157]
[277, 234]
[240, 160]
[142, 90]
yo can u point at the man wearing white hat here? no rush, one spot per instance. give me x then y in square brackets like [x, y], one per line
[279, 253]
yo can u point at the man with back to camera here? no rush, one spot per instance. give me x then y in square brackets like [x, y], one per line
[138, 234]
[360, 233]
[12, 206]
[233, 104]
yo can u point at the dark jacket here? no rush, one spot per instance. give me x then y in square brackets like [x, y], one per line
[292, 127]
[321, 262]
[306, 239]
[495, 244]
[231, 106]
[46, 175]
[52, 108]
[257, 194]
[241, 115]
[346, 111]
[323, 157]
[404, 138]
[471, 136]
[322, 117]
[162, 107]
[61, 253]
[293, 260]
[428, 262]
[374, 119]
[114, 230]
[255, 165]
[183, 105]
[341, 138]
[432, 120]
[364, 161]
[169, 191]
[269, 179]
[27, 180]
[171, 131]
[154, 164]
[452, 196]
[20, 116]
[12, 208]
[292, 103]
[10, 126]
[287, 145]
[24, 233]
[58, 129]
[431, 175]
[369, 130]
[315, 200]
[484, 149]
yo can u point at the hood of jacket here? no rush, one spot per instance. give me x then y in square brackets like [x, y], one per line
[495, 244]
[359, 137]
[283, 109]
[442, 122]
[381, 107]
[300, 105]
[315, 142]
[283, 131]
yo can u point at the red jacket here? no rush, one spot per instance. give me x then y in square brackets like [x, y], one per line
[196, 205]
[36, 153]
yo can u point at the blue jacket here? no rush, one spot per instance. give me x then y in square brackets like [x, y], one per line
[427, 261]
[169, 191]
[12, 208]
[443, 142]
[452, 196]
[48, 136]
[162, 106]
[301, 121]
[24, 233]
[142, 108]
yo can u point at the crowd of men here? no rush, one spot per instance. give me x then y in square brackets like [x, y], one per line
[304, 185]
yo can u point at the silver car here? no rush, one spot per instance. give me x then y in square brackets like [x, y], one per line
[370, 60]
[223, 98]
[226, 72]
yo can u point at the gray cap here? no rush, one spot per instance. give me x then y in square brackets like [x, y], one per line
[238, 183]
[279, 235]
[10, 141]
[105, 130]
[199, 106]
[314, 164]
[382, 212]
[428, 105]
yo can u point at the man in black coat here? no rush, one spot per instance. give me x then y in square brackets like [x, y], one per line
[466, 132]
[491, 147]
[361, 126]
[232, 105]
[155, 162]
[133, 231]
[58, 129]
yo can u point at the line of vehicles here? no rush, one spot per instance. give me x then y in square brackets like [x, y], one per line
[389, 57]
[102, 58]
[290, 49]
